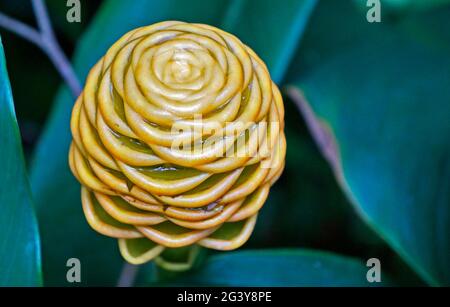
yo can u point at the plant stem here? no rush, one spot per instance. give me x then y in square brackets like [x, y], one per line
[128, 275]
[44, 39]
[20, 29]
[42, 18]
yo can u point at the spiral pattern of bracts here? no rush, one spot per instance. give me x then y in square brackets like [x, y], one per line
[140, 188]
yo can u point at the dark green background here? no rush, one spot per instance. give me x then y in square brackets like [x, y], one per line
[381, 88]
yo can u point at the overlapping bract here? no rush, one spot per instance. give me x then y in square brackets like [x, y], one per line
[139, 187]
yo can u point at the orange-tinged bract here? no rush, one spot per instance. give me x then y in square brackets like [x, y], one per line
[177, 138]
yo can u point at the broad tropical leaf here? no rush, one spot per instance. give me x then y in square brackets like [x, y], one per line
[388, 110]
[281, 267]
[20, 263]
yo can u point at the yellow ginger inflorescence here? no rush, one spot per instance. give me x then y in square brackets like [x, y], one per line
[177, 139]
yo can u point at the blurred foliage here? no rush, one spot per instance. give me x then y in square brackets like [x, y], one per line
[322, 45]
[402, 6]
[385, 138]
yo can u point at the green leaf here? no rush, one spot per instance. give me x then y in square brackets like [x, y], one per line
[385, 102]
[19, 238]
[402, 5]
[306, 207]
[274, 37]
[333, 26]
[64, 230]
[430, 27]
[280, 267]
